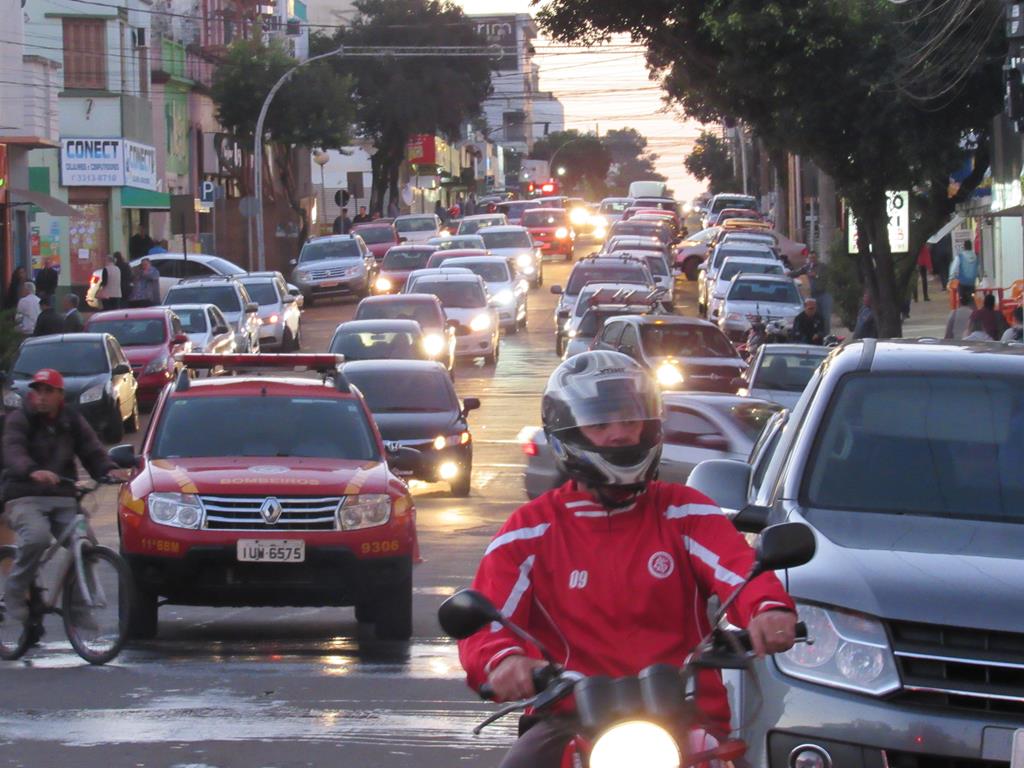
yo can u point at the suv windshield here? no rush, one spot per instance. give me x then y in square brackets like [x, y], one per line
[146, 332]
[423, 312]
[376, 235]
[70, 358]
[617, 273]
[420, 224]
[309, 427]
[456, 295]
[758, 290]
[491, 272]
[399, 259]
[545, 218]
[408, 392]
[685, 341]
[787, 372]
[224, 296]
[935, 444]
[721, 203]
[507, 239]
[263, 293]
[472, 226]
[377, 345]
[321, 250]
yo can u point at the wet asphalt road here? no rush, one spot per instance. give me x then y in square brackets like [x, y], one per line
[264, 688]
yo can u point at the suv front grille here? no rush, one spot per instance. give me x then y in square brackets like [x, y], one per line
[298, 513]
[959, 667]
[323, 274]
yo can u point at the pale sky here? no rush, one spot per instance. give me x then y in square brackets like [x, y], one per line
[609, 88]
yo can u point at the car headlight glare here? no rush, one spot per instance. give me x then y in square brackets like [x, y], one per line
[364, 511]
[433, 344]
[504, 297]
[480, 323]
[669, 375]
[524, 260]
[850, 651]
[94, 394]
[383, 284]
[448, 470]
[12, 400]
[561, 233]
[599, 221]
[270, 320]
[600, 232]
[178, 510]
[579, 216]
[440, 442]
[635, 742]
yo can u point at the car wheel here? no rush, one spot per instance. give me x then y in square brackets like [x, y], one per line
[513, 329]
[492, 359]
[460, 486]
[394, 609]
[115, 426]
[131, 425]
[540, 277]
[287, 341]
[559, 345]
[691, 269]
[366, 613]
[143, 621]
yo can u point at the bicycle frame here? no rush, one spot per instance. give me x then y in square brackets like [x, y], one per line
[73, 538]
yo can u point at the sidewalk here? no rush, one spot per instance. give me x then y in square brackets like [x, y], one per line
[927, 318]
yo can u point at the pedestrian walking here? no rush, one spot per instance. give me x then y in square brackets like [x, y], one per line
[14, 288]
[48, 322]
[991, 319]
[959, 318]
[46, 280]
[965, 269]
[28, 310]
[126, 276]
[1016, 331]
[866, 326]
[73, 322]
[110, 285]
[924, 266]
[816, 285]
[146, 291]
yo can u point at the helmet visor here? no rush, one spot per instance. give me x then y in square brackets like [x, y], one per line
[630, 397]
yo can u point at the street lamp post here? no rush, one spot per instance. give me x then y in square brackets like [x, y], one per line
[321, 158]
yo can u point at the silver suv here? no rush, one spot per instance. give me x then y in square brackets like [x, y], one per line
[231, 298]
[279, 313]
[336, 265]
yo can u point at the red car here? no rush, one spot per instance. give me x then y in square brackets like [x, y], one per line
[398, 262]
[268, 490]
[379, 237]
[551, 230]
[150, 337]
[437, 258]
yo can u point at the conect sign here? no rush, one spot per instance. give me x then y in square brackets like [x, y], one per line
[106, 163]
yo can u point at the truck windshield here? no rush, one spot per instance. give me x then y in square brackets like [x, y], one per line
[940, 445]
[305, 427]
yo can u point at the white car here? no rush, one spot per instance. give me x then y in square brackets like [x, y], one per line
[418, 227]
[470, 225]
[708, 273]
[417, 274]
[173, 268]
[467, 303]
[732, 266]
[515, 243]
[207, 328]
[595, 303]
[661, 273]
[279, 313]
[773, 298]
[508, 289]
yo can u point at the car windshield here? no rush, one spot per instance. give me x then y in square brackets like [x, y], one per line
[657, 265]
[322, 250]
[192, 320]
[456, 295]
[519, 239]
[491, 272]
[263, 293]
[471, 226]
[614, 206]
[722, 254]
[635, 295]
[407, 392]
[457, 242]
[516, 210]
[721, 203]
[758, 290]
[593, 320]
[79, 358]
[305, 427]
[765, 267]
[423, 312]
[745, 237]
[375, 235]
[619, 273]
[545, 219]
[400, 260]
[685, 341]
[640, 229]
[224, 296]
[784, 371]
[750, 417]
[935, 444]
[376, 345]
[224, 267]
[419, 224]
[139, 332]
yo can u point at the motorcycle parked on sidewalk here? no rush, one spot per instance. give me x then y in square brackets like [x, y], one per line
[650, 719]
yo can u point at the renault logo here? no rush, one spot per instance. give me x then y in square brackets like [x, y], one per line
[271, 510]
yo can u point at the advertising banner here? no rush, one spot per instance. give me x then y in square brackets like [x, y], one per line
[139, 166]
[92, 162]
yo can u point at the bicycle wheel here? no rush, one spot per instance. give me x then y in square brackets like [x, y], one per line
[96, 618]
[14, 638]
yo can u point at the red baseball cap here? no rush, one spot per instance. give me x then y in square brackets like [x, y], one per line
[49, 377]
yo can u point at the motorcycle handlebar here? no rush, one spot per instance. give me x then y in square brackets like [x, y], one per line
[542, 678]
[742, 637]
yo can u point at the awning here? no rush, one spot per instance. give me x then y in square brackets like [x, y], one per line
[50, 204]
[133, 197]
[953, 224]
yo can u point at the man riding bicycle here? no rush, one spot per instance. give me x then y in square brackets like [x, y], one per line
[614, 568]
[40, 443]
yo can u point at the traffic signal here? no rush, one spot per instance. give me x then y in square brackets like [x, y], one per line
[341, 197]
[530, 187]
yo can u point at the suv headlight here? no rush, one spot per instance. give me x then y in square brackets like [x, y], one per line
[433, 344]
[364, 511]
[155, 366]
[480, 323]
[524, 260]
[92, 394]
[178, 510]
[504, 297]
[302, 274]
[850, 651]
[669, 375]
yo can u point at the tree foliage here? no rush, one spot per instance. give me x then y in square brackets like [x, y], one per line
[816, 78]
[584, 156]
[710, 161]
[396, 98]
[630, 160]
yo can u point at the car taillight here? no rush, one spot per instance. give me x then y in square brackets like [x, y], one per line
[530, 448]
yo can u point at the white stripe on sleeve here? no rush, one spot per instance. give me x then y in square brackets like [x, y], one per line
[692, 510]
[710, 559]
[518, 590]
[517, 535]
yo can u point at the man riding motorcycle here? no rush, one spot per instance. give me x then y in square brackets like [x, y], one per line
[613, 569]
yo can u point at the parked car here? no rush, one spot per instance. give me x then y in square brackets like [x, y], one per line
[207, 328]
[905, 459]
[418, 227]
[415, 406]
[398, 262]
[514, 242]
[335, 265]
[98, 379]
[682, 353]
[233, 300]
[425, 309]
[151, 338]
[780, 372]
[379, 340]
[279, 315]
[470, 225]
[378, 236]
[509, 291]
[173, 268]
[770, 297]
[467, 303]
[696, 427]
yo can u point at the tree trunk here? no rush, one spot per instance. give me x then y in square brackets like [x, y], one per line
[393, 191]
[286, 161]
[826, 214]
[778, 160]
[378, 181]
[879, 269]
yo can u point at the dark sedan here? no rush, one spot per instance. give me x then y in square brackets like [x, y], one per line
[379, 340]
[415, 405]
[98, 379]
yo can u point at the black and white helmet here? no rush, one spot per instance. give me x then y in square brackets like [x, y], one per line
[602, 387]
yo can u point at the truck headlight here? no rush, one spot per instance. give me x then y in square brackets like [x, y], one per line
[92, 394]
[635, 742]
[178, 510]
[364, 511]
[669, 375]
[850, 651]
[480, 323]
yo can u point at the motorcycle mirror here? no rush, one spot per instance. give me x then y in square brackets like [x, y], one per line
[785, 545]
[465, 613]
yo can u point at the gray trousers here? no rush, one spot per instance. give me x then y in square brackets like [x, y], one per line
[34, 519]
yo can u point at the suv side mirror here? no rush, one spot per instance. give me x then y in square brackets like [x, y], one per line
[465, 613]
[556, 290]
[727, 481]
[785, 545]
[124, 456]
[288, 299]
[293, 262]
[470, 404]
[404, 461]
[181, 338]
[252, 307]
[121, 369]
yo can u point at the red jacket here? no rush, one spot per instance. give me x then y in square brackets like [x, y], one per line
[612, 594]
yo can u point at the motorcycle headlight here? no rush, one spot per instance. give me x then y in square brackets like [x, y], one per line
[561, 233]
[364, 511]
[155, 366]
[669, 375]
[850, 651]
[504, 297]
[480, 323]
[92, 394]
[433, 344]
[178, 510]
[383, 284]
[635, 742]
[12, 399]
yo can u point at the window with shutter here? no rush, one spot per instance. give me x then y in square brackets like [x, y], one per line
[85, 53]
